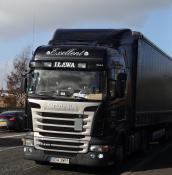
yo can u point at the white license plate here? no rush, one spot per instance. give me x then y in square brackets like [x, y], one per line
[59, 160]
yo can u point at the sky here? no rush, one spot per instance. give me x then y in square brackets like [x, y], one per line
[32, 23]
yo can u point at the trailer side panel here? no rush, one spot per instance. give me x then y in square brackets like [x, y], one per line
[154, 85]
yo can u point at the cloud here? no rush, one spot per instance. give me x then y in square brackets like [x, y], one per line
[17, 17]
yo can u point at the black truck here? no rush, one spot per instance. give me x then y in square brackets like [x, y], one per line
[95, 96]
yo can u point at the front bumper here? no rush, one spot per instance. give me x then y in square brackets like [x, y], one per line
[87, 159]
[91, 158]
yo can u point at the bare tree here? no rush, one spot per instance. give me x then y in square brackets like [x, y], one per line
[1, 92]
[14, 79]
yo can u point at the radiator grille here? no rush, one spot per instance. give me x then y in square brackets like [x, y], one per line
[56, 132]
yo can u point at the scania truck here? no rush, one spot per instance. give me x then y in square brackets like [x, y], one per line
[95, 96]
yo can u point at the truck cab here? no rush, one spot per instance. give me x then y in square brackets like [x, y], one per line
[77, 91]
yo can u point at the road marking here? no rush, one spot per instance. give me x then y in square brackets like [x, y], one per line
[18, 135]
[10, 148]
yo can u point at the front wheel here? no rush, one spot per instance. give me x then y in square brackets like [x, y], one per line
[120, 153]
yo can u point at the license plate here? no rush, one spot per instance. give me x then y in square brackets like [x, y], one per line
[3, 123]
[59, 160]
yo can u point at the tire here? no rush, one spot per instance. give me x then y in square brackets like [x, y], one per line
[120, 155]
[120, 152]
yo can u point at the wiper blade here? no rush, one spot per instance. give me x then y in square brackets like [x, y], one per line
[45, 92]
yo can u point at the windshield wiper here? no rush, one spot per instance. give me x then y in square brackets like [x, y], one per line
[45, 92]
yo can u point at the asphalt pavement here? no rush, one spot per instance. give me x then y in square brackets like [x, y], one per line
[158, 161]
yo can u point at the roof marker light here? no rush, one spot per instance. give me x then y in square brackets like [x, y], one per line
[47, 64]
[82, 65]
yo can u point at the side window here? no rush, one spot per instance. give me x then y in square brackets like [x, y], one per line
[33, 81]
[117, 83]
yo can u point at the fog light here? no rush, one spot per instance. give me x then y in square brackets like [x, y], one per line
[29, 142]
[92, 156]
[47, 64]
[24, 149]
[99, 148]
[82, 65]
[100, 156]
[30, 150]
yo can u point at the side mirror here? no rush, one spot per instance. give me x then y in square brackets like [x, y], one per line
[120, 85]
[24, 84]
[122, 77]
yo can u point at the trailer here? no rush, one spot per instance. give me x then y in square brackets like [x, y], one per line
[95, 96]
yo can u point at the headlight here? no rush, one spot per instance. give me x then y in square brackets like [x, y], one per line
[99, 148]
[28, 142]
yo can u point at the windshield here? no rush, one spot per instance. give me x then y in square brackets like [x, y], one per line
[68, 84]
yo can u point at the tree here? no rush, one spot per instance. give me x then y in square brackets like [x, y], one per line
[1, 92]
[14, 78]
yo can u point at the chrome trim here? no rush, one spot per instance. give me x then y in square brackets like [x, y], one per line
[77, 109]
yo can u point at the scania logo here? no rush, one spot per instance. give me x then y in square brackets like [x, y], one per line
[61, 107]
[70, 52]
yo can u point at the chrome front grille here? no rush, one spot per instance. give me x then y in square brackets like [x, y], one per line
[56, 131]
[60, 135]
[60, 122]
[61, 126]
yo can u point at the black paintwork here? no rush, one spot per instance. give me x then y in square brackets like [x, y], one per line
[94, 53]
[92, 36]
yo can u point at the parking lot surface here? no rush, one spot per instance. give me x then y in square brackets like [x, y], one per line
[158, 161]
